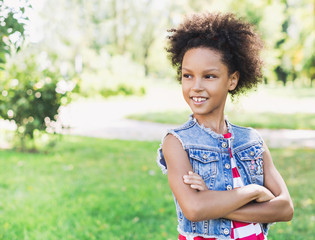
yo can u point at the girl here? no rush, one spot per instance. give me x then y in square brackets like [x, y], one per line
[224, 182]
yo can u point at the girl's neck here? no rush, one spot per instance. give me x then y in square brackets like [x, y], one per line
[216, 124]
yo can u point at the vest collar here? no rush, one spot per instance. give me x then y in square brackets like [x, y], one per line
[210, 131]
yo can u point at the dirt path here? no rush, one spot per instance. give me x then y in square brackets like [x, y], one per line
[106, 119]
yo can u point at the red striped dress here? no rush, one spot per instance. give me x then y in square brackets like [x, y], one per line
[239, 230]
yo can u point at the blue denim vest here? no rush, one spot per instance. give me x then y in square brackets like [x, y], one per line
[209, 157]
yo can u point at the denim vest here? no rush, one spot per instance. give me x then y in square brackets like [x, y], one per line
[209, 156]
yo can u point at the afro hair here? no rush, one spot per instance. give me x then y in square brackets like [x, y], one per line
[234, 38]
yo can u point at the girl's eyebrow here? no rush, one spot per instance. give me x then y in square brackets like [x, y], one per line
[187, 69]
[206, 70]
[211, 70]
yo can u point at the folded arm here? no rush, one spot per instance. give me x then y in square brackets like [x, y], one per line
[203, 205]
[278, 209]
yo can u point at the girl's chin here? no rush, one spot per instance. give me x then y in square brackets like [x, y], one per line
[199, 103]
[200, 114]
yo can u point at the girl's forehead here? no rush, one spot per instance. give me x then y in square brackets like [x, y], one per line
[202, 56]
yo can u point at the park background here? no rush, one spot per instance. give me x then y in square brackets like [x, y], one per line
[87, 91]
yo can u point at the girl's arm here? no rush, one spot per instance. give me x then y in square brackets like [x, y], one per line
[203, 205]
[278, 209]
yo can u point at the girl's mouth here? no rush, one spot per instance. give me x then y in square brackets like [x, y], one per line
[199, 100]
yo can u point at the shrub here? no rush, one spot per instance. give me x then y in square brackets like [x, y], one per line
[31, 98]
[122, 89]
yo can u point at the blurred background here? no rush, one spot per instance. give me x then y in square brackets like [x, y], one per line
[87, 91]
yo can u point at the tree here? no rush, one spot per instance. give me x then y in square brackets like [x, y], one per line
[32, 89]
[12, 22]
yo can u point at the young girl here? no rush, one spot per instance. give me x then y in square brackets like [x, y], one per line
[224, 182]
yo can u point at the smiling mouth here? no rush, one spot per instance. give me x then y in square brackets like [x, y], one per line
[199, 99]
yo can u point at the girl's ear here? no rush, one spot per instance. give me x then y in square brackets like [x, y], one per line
[234, 77]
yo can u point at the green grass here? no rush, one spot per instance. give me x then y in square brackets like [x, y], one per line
[90, 188]
[295, 92]
[255, 120]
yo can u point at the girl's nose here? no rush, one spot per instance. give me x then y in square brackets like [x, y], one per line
[197, 85]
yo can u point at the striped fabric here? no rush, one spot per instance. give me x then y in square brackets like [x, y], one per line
[239, 230]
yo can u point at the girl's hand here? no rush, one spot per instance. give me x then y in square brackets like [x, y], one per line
[264, 195]
[195, 181]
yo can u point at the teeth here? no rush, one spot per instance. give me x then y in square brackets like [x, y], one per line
[199, 99]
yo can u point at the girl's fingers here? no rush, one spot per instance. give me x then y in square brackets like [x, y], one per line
[187, 179]
[197, 187]
[192, 175]
[195, 181]
[192, 178]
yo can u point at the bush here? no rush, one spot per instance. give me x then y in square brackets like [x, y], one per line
[107, 76]
[122, 89]
[31, 98]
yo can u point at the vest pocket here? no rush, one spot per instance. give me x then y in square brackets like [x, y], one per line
[252, 159]
[204, 162]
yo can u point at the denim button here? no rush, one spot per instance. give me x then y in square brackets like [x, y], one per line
[251, 153]
[229, 187]
[224, 144]
[226, 231]
[204, 156]
[227, 166]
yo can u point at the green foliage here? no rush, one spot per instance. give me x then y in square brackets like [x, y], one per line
[89, 188]
[122, 89]
[31, 98]
[12, 21]
[287, 27]
[109, 76]
[114, 39]
[112, 34]
[103, 40]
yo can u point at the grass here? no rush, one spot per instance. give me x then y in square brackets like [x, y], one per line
[89, 188]
[256, 120]
[291, 91]
[268, 107]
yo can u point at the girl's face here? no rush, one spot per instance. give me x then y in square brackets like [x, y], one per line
[206, 82]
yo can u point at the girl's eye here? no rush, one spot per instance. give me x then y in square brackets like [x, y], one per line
[210, 76]
[186, 76]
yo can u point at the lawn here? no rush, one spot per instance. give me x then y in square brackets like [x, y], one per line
[256, 120]
[88, 188]
[268, 107]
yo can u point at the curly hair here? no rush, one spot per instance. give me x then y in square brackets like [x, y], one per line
[235, 39]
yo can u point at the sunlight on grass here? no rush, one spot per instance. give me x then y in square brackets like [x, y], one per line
[255, 120]
[90, 188]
